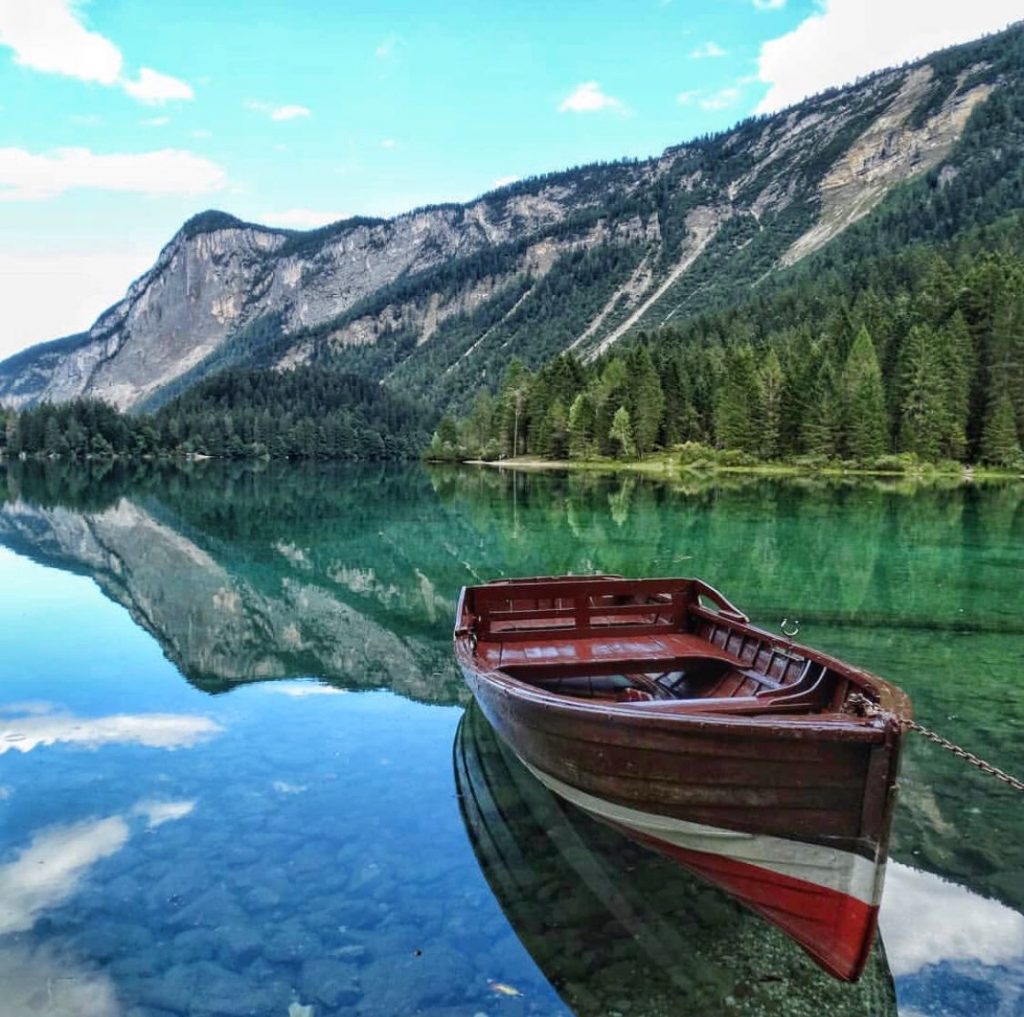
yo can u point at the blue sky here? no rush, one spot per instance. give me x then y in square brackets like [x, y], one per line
[120, 118]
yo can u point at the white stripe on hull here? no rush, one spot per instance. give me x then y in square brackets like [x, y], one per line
[827, 867]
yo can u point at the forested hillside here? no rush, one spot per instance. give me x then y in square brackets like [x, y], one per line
[904, 334]
[919, 352]
[307, 413]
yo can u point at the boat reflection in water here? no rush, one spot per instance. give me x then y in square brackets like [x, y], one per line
[617, 928]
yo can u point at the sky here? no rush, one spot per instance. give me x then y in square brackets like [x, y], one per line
[121, 118]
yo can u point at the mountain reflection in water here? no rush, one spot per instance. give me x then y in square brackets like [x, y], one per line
[243, 576]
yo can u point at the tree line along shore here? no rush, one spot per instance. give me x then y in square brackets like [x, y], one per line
[919, 358]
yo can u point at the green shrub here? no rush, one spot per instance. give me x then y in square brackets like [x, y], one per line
[736, 457]
[693, 451]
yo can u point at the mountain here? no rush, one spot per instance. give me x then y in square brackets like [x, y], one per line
[436, 301]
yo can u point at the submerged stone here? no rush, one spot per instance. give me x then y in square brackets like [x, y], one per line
[331, 981]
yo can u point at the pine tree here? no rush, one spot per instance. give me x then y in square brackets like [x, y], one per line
[955, 356]
[819, 430]
[770, 383]
[610, 394]
[735, 403]
[53, 440]
[865, 422]
[621, 435]
[480, 429]
[923, 395]
[1007, 346]
[936, 290]
[1000, 443]
[14, 442]
[581, 427]
[674, 424]
[646, 400]
[557, 430]
[514, 391]
[801, 361]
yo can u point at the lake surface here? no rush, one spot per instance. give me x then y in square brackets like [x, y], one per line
[238, 773]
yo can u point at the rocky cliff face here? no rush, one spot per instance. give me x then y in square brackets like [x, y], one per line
[581, 258]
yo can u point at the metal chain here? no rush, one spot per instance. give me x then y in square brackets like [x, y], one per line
[871, 710]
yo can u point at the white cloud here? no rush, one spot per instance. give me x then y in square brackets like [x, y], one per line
[389, 143]
[769, 5]
[159, 812]
[86, 119]
[685, 98]
[290, 112]
[845, 39]
[202, 132]
[588, 98]
[155, 121]
[25, 176]
[58, 293]
[282, 787]
[504, 181]
[47, 36]
[153, 88]
[722, 99]
[287, 112]
[154, 730]
[303, 218]
[300, 690]
[50, 868]
[72, 987]
[926, 921]
[708, 50]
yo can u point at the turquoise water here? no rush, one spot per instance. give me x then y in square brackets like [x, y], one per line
[234, 770]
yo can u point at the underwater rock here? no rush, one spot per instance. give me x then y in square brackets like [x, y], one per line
[195, 945]
[404, 983]
[331, 981]
[291, 941]
[239, 943]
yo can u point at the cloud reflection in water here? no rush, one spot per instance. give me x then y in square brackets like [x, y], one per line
[23, 730]
[926, 920]
[46, 982]
[52, 866]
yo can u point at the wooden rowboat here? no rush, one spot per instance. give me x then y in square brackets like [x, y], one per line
[655, 706]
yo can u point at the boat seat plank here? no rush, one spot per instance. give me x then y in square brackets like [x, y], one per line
[729, 685]
[653, 650]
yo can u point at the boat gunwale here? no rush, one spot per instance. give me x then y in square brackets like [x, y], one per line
[893, 703]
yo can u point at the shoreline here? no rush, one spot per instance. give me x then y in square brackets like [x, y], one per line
[967, 474]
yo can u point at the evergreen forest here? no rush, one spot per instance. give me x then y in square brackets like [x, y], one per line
[918, 354]
[306, 413]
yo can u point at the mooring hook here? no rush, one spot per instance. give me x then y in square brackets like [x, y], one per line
[792, 631]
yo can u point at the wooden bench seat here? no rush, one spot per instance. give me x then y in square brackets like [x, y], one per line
[648, 653]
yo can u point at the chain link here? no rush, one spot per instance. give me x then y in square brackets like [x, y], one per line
[870, 709]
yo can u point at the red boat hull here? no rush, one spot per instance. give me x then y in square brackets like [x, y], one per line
[829, 906]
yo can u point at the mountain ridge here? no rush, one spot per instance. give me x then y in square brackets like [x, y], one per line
[436, 300]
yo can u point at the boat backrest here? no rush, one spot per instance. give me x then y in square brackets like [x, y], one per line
[579, 608]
